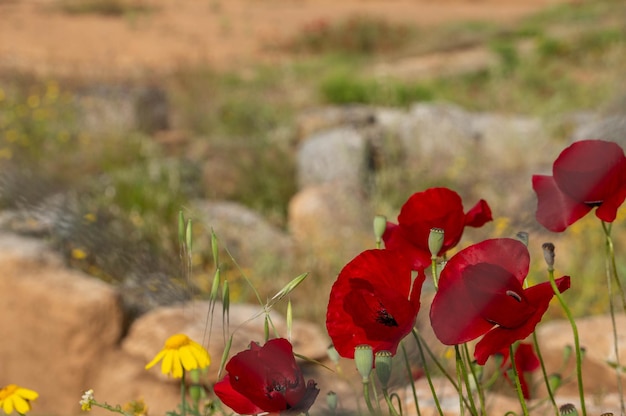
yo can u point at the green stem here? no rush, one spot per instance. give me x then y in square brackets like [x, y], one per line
[366, 395]
[545, 375]
[183, 404]
[611, 259]
[410, 374]
[461, 365]
[421, 344]
[479, 389]
[420, 347]
[433, 271]
[392, 409]
[570, 318]
[518, 385]
[611, 271]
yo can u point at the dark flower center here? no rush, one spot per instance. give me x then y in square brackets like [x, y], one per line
[384, 317]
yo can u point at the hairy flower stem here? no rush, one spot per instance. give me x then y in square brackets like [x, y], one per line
[545, 375]
[479, 387]
[462, 368]
[518, 384]
[410, 374]
[570, 318]
[611, 272]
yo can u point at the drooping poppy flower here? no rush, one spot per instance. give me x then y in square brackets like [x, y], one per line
[526, 361]
[433, 208]
[587, 174]
[480, 293]
[266, 379]
[373, 302]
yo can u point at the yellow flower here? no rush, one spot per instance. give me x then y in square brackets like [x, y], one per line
[181, 352]
[17, 398]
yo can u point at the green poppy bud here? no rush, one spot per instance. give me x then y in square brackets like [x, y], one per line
[364, 361]
[332, 354]
[523, 237]
[331, 400]
[380, 224]
[383, 367]
[435, 241]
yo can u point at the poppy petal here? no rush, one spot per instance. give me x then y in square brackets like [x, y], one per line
[478, 215]
[433, 208]
[233, 399]
[555, 210]
[590, 171]
[372, 302]
[500, 338]
[456, 314]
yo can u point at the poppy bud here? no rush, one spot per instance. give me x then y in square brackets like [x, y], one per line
[383, 367]
[568, 410]
[364, 360]
[523, 237]
[331, 401]
[548, 254]
[380, 224]
[435, 241]
[332, 353]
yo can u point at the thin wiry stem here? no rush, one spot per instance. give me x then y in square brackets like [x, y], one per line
[611, 272]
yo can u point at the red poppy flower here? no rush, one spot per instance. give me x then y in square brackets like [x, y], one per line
[266, 379]
[480, 293]
[587, 174]
[433, 208]
[373, 302]
[526, 361]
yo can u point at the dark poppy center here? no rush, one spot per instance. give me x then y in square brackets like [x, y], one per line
[384, 317]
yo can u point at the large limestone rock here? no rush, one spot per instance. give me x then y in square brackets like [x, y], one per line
[57, 324]
[337, 156]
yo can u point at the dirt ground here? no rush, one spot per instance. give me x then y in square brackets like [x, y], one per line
[37, 37]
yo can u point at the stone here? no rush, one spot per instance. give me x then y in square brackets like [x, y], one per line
[596, 336]
[56, 324]
[333, 156]
[436, 136]
[604, 127]
[330, 222]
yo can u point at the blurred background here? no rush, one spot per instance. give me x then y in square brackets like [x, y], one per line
[117, 114]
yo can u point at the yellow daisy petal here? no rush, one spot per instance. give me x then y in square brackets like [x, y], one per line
[201, 355]
[156, 359]
[187, 358]
[166, 366]
[7, 405]
[21, 405]
[177, 370]
[28, 394]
